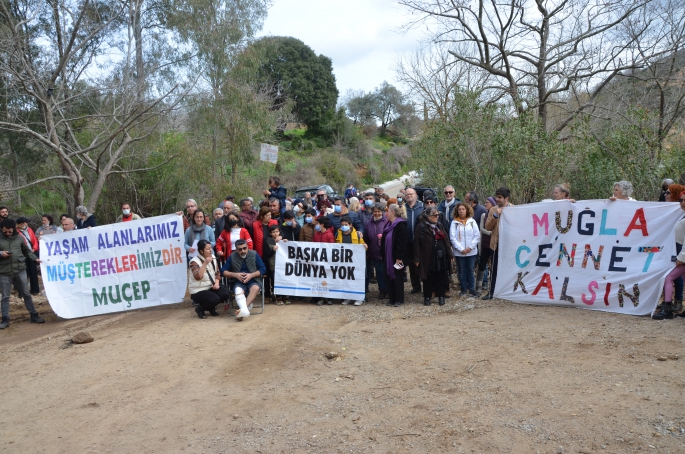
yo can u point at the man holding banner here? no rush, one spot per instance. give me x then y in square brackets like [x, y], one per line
[13, 270]
[492, 224]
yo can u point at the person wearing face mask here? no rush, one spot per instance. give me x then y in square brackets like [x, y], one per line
[290, 229]
[374, 261]
[340, 210]
[85, 220]
[366, 211]
[233, 231]
[414, 208]
[323, 234]
[126, 214]
[400, 199]
[348, 235]
[298, 209]
[309, 228]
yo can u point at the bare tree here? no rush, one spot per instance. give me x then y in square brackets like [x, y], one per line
[69, 62]
[545, 52]
[433, 76]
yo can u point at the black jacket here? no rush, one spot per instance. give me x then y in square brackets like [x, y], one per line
[400, 242]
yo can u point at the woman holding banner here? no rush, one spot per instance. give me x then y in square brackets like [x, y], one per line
[394, 244]
[198, 231]
[433, 255]
[204, 281]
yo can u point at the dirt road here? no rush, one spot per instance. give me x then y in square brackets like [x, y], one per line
[472, 376]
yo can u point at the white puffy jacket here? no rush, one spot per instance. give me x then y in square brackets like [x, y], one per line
[463, 236]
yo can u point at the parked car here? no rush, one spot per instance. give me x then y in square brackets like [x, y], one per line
[299, 194]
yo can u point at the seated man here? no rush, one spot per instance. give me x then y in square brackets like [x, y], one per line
[245, 268]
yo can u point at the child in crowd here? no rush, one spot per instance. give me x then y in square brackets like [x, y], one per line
[270, 256]
[276, 191]
[347, 234]
[323, 234]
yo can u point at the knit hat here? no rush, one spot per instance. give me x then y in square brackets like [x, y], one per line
[492, 201]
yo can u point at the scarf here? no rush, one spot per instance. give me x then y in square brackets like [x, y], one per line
[387, 233]
[199, 229]
[437, 233]
[27, 238]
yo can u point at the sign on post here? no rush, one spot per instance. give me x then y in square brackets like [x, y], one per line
[269, 153]
[592, 254]
[115, 267]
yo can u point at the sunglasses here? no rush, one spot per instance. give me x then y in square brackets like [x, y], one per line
[241, 249]
[667, 192]
[428, 202]
[433, 215]
[449, 192]
[681, 200]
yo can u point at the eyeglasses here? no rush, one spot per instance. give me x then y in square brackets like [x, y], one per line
[667, 192]
[433, 215]
[241, 249]
[430, 202]
[681, 200]
[449, 192]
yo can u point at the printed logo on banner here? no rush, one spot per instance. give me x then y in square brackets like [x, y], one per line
[602, 255]
[320, 269]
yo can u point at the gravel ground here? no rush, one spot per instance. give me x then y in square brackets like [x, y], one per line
[472, 376]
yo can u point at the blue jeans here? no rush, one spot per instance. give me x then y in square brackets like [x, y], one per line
[380, 274]
[466, 277]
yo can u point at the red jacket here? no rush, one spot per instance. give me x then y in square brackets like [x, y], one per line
[34, 241]
[325, 237]
[258, 234]
[223, 244]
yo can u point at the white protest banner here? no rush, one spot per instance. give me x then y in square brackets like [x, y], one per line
[328, 270]
[592, 254]
[115, 267]
[269, 153]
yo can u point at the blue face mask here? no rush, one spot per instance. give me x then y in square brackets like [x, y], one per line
[337, 208]
[368, 202]
[399, 199]
[345, 228]
[289, 223]
[308, 220]
[318, 228]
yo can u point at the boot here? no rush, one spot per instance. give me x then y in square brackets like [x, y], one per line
[35, 318]
[426, 301]
[441, 301]
[383, 295]
[200, 312]
[5, 322]
[665, 312]
[479, 281]
[677, 306]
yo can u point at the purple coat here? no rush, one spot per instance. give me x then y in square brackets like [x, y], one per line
[371, 231]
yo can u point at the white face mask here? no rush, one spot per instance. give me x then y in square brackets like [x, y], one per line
[126, 212]
[296, 209]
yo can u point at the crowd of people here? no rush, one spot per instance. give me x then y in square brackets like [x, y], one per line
[422, 242]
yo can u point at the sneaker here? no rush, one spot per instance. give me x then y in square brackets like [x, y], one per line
[397, 304]
[389, 303]
[416, 290]
[320, 302]
[5, 323]
[463, 293]
[200, 312]
[473, 293]
[383, 295]
[35, 318]
[359, 302]
[279, 301]
[328, 301]
[286, 301]
[346, 302]
[487, 297]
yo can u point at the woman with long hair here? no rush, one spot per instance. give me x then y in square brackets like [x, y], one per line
[394, 242]
[465, 236]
